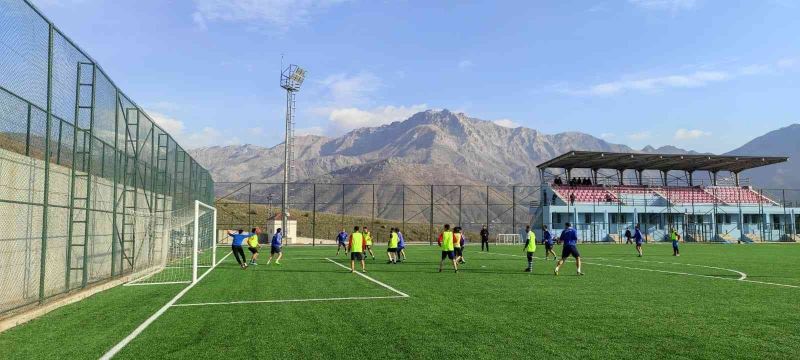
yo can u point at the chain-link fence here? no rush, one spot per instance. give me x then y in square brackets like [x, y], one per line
[79, 161]
[700, 214]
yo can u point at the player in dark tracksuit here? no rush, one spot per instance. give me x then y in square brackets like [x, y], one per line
[548, 243]
[484, 238]
[570, 239]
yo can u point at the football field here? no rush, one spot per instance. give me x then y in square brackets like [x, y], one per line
[713, 302]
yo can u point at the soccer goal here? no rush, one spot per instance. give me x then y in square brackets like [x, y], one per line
[174, 247]
[508, 239]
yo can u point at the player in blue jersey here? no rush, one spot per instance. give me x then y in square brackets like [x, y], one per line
[236, 246]
[639, 239]
[548, 243]
[569, 237]
[275, 247]
[401, 245]
[341, 241]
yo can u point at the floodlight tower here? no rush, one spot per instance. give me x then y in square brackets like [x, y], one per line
[291, 79]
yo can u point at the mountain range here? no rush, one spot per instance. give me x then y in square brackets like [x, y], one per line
[443, 147]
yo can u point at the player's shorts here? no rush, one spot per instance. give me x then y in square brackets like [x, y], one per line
[368, 244]
[356, 256]
[342, 243]
[548, 247]
[459, 251]
[253, 250]
[392, 250]
[570, 250]
[275, 250]
[529, 255]
[674, 244]
[448, 254]
[638, 243]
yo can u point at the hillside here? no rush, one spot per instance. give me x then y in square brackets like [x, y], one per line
[781, 142]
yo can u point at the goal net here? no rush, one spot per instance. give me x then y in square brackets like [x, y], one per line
[508, 239]
[175, 247]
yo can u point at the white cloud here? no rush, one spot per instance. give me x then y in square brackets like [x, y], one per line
[312, 130]
[607, 135]
[506, 123]
[670, 5]
[277, 14]
[690, 134]
[464, 64]
[345, 119]
[786, 63]
[207, 136]
[343, 89]
[641, 135]
[692, 80]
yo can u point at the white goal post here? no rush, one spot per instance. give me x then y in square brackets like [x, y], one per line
[196, 239]
[508, 239]
[170, 247]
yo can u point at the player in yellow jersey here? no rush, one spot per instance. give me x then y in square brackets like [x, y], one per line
[356, 248]
[446, 243]
[530, 247]
[368, 243]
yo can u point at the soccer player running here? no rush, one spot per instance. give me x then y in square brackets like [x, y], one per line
[463, 244]
[368, 243]
[570, 239]
[356, 247]
[391, 252]
[252, 245]
[457, 245]
[236, 247]
[446, 243]
[548, 243]
[485, 238]
[275, 247]
[401, 246]
[341, 241]
[530, 247]
[673, 235]
[639, 239]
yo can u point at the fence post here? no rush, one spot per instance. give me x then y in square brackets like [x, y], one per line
[250, 205]
[45, 204]
[487, 208]
[514, 209]
[403, 195]
[430, 231]
[314, 216]
[372, 223]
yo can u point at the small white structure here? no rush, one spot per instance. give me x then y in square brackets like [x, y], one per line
[276, 221]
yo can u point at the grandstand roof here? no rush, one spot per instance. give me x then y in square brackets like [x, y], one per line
[663, 162]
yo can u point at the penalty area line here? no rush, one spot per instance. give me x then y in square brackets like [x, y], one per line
[292, 300]
[116, 349]
[370, 279]
[742, 277]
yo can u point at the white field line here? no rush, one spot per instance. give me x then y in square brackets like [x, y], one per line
[370, 279]
[158, 283]
[116, 349]
[742, 279]
[742, 275]
[292, 300]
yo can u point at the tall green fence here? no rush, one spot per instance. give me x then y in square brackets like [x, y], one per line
[79, 163]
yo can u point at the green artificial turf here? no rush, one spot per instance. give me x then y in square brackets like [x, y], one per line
[625, 307]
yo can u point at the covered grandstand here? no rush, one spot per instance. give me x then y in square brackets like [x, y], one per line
[666, 191]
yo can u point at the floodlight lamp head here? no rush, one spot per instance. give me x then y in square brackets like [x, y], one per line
[292, 78]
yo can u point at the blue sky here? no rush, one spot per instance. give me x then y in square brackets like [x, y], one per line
[700, 74]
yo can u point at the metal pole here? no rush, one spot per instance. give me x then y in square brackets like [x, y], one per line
[487, 208]
[314, 215]
[404, 209]
[514, 208]
[249, 205]
[286, 165]
[372, 224]
[48, 128]
[114, 237]
[430, 231]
